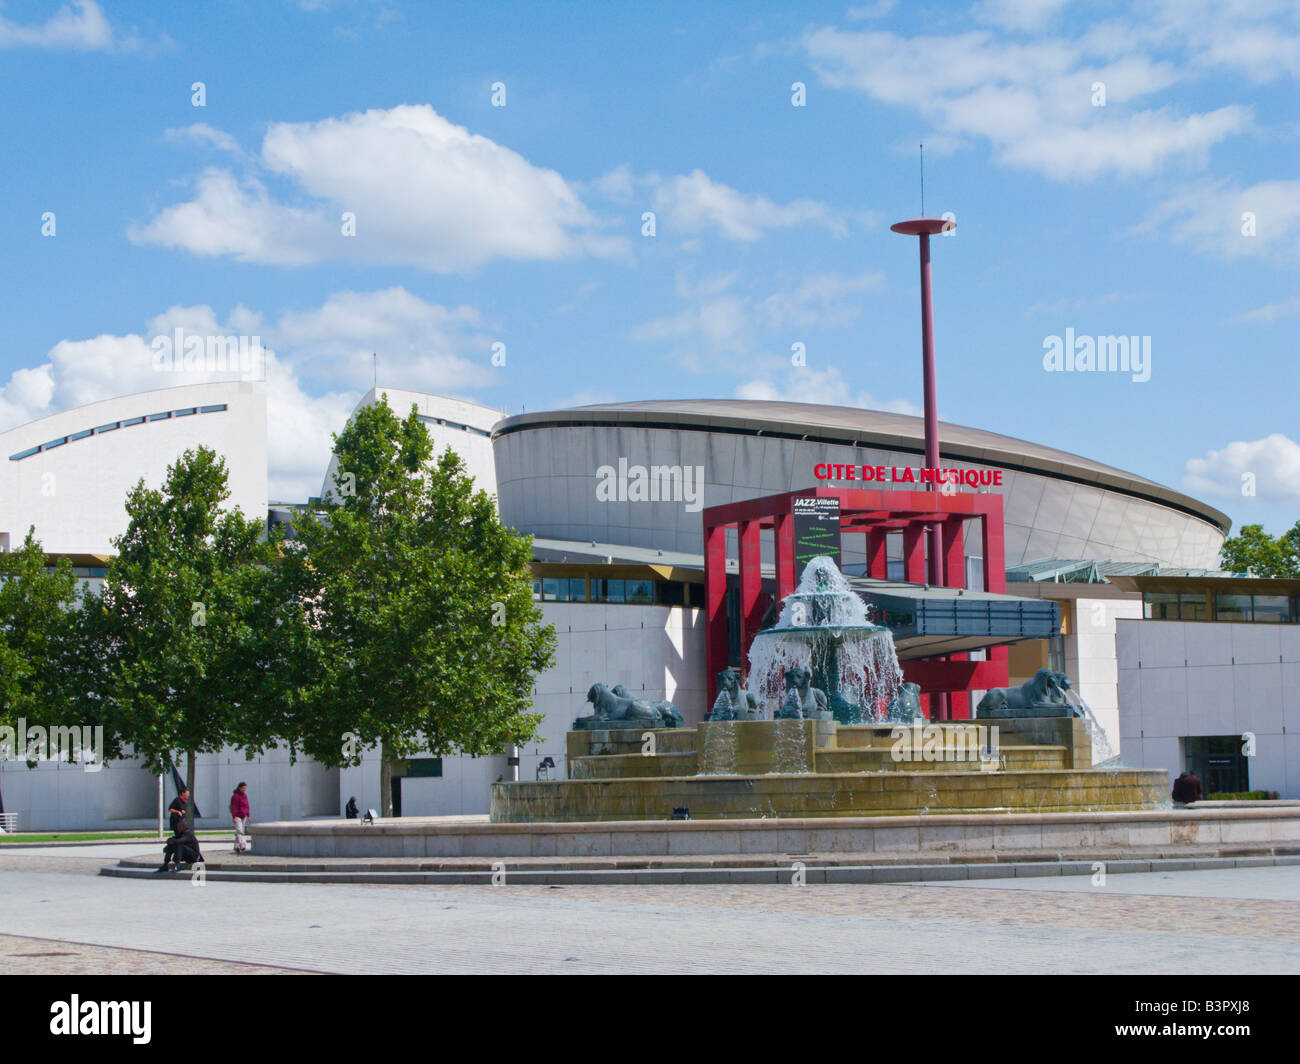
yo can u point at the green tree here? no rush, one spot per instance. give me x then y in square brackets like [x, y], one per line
[38, 626]
[424, 627]
[181, 645]
[1254, 551]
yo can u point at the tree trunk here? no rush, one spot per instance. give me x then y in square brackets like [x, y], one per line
[385, 782]
[189, 782]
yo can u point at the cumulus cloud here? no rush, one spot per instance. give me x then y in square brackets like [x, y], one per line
[1272, 463]
[203, 134]
[317, 365]
[825, 386]
[1234, 222]
[80, 26]
[1031, 100]
[1272, 311]
[723, 329]
[419, 191]
[694, 202]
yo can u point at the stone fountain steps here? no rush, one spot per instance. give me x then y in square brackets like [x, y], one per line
[863, 759]
[632, 766]
[959, 758]
[829, 795]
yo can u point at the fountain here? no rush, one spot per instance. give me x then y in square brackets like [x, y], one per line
[823, 659]
[826, 727]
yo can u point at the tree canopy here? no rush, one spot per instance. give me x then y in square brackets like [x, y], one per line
[425, 633]
[1256, 552]
[181, 641]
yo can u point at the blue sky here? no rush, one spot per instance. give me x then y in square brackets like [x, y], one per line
[1171, 212]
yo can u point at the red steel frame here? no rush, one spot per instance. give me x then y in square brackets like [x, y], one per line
[873, 513]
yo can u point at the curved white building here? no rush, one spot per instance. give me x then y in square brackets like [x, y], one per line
[463, 426]
[68, 474]
[1058, 505]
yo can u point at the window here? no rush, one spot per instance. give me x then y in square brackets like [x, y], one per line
[424, 767]
[107, 428]
[24, 454]
[127, 422]
[1272, 609]
[1192, 607]
[54, 443]
[160, 417]
[1160, 605]
[1219, 762]
[184, 413]
[1232, 607]
[610, 590]
[641, 592]
[212, 409]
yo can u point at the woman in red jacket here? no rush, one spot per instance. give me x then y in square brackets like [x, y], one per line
[239, 813]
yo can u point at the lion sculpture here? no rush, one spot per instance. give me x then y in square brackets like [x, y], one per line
[1045, 691]
[802, 700]
[732, 703]
[671, 714]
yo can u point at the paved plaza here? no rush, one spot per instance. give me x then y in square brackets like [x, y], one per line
[61, 916]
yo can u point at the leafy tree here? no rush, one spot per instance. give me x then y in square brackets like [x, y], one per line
[424, 627]
[38, 623]
[182, 644]
[1254, 551]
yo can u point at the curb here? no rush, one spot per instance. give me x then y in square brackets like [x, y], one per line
[773, 875]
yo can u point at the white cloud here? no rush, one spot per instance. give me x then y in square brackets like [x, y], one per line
[821, 301]
[1274, 463]
[1272, 311]
[424, 192]
[803, 384]
[695, 202]
[204, 134]
[1030, 100]
[1019, 14]
[81, 26]
[1219, 218]
[317, 367]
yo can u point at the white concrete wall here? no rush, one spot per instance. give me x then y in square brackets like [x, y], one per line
[656, 651]
[1186, 678]
[1090, 661]
[74, 494]
[61, 797]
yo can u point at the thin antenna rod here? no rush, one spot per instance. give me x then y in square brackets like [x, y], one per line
[922, 180]
[375, 356]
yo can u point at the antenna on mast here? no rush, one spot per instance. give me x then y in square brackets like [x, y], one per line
[375, 355]
[922, 180]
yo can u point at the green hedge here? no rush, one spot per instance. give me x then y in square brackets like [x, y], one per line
[1244, 796]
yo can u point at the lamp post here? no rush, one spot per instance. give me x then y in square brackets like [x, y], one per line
[923, 228]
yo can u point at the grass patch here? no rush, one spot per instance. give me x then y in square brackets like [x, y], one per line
[90, 836]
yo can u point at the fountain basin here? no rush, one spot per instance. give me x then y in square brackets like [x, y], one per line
[814, 768]
[825, 794]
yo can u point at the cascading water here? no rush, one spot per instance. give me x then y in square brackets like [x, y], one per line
[1102, 751]
[823, 628]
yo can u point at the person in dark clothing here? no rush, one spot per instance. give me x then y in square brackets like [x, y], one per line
[182, 848]
[179, 809]
[1187, 788]
[350, 810]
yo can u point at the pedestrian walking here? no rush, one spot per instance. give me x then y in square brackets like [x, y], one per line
[240, 811]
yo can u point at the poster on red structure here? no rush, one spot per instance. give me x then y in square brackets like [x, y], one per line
[816, 531]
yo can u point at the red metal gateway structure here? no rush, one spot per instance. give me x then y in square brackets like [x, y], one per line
[874, 514]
